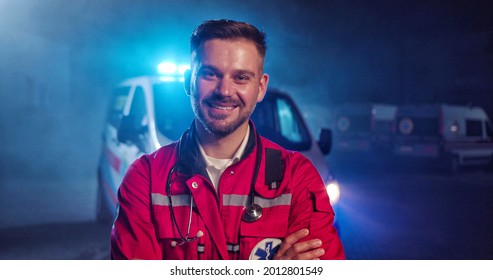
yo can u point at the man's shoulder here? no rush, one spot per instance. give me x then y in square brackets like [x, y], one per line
[268, 144]
[161, 153]
[292, 159]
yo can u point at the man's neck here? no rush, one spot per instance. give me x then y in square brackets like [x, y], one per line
[221, 147]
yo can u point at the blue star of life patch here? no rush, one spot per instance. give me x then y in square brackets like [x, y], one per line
[265, 249]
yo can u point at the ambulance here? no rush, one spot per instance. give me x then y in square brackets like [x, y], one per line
[148, 112]
[454, 135]
[363, 127]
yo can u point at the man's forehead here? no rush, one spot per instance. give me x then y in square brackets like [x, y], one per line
[198, 55]
[214, 42]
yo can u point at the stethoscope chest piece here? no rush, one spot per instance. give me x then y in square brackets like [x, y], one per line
[252, 213]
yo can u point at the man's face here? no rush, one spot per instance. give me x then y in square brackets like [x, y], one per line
[226, 83]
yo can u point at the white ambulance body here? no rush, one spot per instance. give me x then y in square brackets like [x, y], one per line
[457, 135]
[363, 127]
[148, 112]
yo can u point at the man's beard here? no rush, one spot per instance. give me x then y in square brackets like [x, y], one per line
[210, 123]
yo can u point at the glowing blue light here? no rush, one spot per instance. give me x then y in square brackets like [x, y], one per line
[182, 68]
[167, 68]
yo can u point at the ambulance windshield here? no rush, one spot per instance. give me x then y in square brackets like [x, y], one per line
[278, 119]
[172, 108]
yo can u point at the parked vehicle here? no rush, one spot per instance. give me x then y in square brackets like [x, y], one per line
[363, 127]
[455, 135]
[146, 113]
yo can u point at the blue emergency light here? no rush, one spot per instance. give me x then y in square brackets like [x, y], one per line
[171, 72]
[170, 68]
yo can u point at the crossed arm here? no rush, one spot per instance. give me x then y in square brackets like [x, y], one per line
[291, 249]
[311, 233]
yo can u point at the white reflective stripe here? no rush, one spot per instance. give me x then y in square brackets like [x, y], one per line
[283, 200]
[233, 248]
[241, 200]
[234, 200]
[177, 200]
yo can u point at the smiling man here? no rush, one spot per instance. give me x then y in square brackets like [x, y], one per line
[222, 191]
[226, 83]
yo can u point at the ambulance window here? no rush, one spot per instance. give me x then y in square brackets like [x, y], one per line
[426, 126]
[138, 109]
[474, 128]
[117, 103]
[172, 109]
[290, 126]
[277, 119]
[265, 119]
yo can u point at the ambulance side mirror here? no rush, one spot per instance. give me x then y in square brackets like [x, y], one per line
[325, 140]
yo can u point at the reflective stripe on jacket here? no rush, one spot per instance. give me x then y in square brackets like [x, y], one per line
[144, 228]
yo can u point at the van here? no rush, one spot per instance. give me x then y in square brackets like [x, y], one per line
[148, 112]
[454, 135]
[363, 127]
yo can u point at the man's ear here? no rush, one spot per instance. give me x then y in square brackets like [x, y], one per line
[188, 76]
[262, 88]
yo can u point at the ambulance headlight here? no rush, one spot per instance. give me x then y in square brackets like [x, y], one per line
[333, 191]
[454, 127]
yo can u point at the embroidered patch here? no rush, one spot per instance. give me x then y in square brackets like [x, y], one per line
[265, 249]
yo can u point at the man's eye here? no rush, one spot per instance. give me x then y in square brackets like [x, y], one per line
[242, 78]
[208, 74]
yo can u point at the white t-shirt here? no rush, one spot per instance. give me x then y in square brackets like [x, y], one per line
[215, 166]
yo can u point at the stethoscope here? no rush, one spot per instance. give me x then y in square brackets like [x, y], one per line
[251, 213]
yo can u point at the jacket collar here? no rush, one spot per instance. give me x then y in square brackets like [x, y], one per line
[189, 151]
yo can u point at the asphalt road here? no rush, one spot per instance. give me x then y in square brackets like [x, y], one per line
[59, 241]
[390, 210]
[386, 212]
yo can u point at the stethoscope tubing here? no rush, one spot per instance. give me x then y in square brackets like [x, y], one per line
[251, 213]
[186, 238]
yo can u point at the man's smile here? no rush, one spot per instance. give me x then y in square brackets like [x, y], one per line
[221, 107]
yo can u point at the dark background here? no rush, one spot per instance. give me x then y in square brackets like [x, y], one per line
[60, 59]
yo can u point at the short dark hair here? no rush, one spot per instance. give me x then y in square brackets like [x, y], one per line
[227, 29]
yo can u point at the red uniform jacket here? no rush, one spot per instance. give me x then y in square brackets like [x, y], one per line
[144, 228]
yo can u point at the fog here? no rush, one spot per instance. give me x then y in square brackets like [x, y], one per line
[59, 61]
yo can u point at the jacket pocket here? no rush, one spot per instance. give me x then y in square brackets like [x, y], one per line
[268, 231]
[168, 232]
[272, 223]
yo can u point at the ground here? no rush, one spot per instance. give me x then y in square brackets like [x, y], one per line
[386, 211]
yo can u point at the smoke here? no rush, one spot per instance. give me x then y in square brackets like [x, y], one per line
[60, 61]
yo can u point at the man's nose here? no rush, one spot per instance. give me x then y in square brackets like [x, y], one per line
[225, 87]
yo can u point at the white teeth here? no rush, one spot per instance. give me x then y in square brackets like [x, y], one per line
[222, 108]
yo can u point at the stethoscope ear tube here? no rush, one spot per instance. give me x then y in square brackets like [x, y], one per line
[186, 238]
[252, 212]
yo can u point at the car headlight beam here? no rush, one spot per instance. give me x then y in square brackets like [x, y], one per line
[333, 191]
